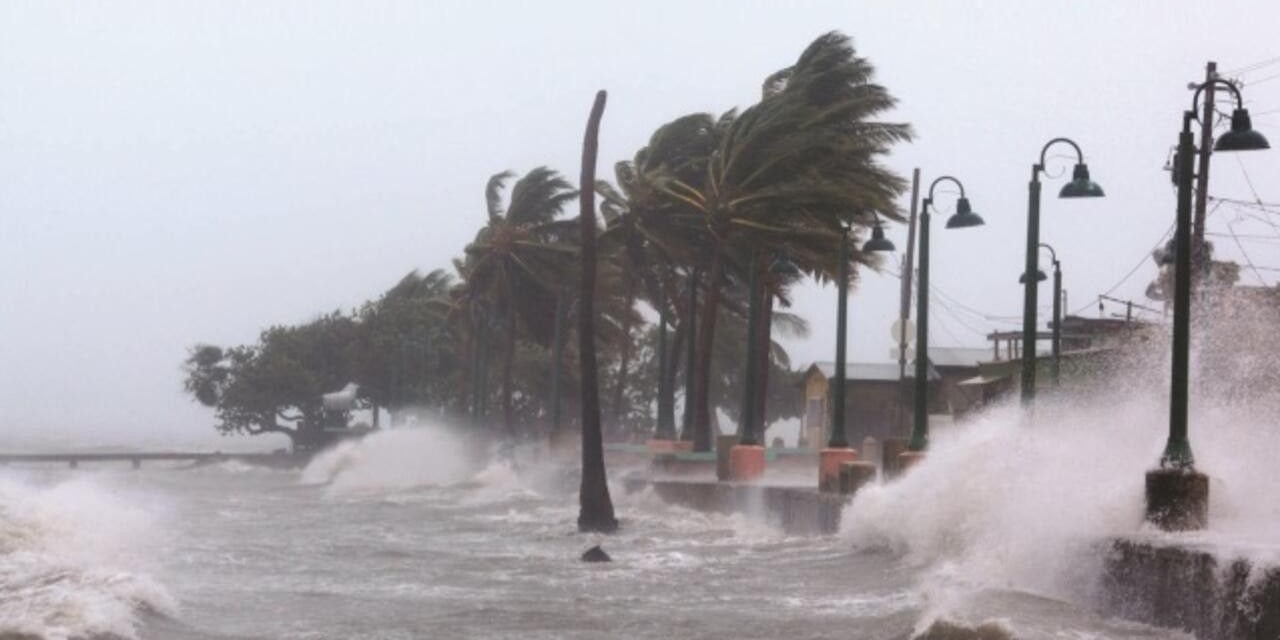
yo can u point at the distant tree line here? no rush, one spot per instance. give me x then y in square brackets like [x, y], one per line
[709, 200]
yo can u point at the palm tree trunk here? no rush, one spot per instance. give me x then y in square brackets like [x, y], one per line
[675, 360]
[595, 508]
[706, 341]
[508, 356]
[763, 351]
[624, 360]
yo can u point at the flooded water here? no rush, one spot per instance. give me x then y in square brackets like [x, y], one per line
[398, 538]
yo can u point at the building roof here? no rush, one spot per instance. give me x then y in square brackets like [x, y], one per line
[958, 356]
[873, 371]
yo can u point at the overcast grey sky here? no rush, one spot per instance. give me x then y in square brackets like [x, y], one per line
[177, 172]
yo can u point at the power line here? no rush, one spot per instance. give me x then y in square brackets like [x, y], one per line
[1248, 203]
[1141, 261]
[1247, 260]
[1258, 82]
[1252, 67]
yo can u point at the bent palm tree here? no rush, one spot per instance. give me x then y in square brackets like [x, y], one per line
[510, 267]
[791, 169]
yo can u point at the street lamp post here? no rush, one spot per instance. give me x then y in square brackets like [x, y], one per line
[1177, 494]
[1056, 370]
[1080, 186]
[962, 218]
[838, 450]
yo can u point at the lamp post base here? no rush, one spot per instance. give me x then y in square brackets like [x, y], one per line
[746, 462]
[853, 475]
[1177, 500]
[829, 461]
[908, 459]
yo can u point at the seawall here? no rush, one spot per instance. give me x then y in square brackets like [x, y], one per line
[1214, 594]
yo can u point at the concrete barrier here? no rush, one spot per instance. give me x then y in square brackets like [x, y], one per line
[794, 510]
[1191, 589]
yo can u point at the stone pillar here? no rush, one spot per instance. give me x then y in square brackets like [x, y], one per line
[723, 446]
[829, 461]
[890, 449]
[1178, 499]
[746, 462]
[854, 475]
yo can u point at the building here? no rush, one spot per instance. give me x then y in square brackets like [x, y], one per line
[1091, 348]
[878, 401]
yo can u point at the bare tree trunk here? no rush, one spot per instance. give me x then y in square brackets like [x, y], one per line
[595, 508]
[706, 341]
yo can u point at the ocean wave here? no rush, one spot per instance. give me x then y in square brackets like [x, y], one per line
[391, 460]
[68, 559]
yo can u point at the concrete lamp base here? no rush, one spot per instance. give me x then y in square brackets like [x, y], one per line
[908, 459]
[657, 446]
[1177, 500]
[746, 462]
[829, 461]
[853, 475]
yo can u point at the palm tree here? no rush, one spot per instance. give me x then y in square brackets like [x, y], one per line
[511, 266]
[595, 508]
[647, 235]
[789, 171]
[405, 353]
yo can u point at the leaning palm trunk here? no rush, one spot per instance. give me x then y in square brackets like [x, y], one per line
[595, 508]
[706, 341]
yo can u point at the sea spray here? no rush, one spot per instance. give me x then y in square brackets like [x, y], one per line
[69, 561]
[392, 460]
[1023, 503]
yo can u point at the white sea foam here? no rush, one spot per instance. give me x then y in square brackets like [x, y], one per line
[69, 558]
[392, 460]
[1008, 503]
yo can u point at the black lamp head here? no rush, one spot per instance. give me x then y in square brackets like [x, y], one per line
[1040, 277]
[878, 243]
[1080, 186]
[964, 216]
[1242, 136]
[782, 266]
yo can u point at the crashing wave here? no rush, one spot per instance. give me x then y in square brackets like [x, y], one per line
[67, 563]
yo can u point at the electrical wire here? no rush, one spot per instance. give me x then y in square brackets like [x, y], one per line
[1247, 260]
[1249, 68]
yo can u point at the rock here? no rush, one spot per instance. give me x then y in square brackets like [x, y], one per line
[943, 630]
[596, 554]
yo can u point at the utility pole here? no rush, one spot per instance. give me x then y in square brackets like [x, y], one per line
[1198, 257]
[904, 310]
